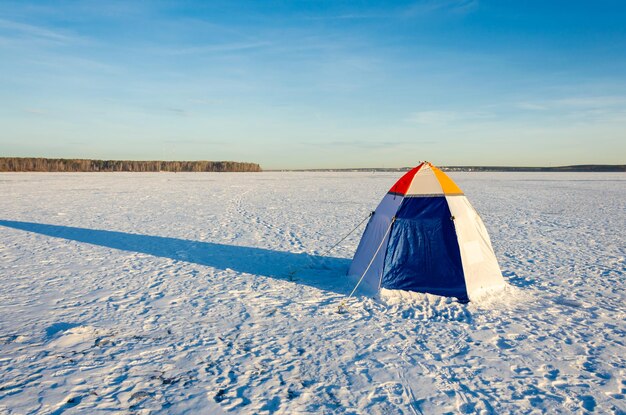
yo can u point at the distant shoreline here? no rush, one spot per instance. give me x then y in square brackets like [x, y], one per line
[52, 165]
[35, 164]
[598, 168]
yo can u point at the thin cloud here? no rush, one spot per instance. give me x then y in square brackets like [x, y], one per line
[64, 62]
[368, 144]
[430, 6]
[419, 8]
[592, 101]
[351, 16]
[217, 48]
[29, 31]
[447, 117]
[180, 112]
[531, 106]
[35, 111]
[194, 142]
[581, 110]
[114, 9]
[204, 101]
[433, 117]
[573, 103]
[597, 115]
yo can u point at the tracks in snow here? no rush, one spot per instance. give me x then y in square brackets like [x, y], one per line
[251, 224]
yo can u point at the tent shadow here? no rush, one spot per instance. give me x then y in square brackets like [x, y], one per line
[325, 273]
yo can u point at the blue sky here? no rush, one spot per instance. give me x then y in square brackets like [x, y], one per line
[313, 84]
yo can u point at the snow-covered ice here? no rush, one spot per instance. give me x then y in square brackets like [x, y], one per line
[206, 293]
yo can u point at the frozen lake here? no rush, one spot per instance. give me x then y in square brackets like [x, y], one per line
[206, 293]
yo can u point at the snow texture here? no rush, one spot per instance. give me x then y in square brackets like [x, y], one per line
[206, 293]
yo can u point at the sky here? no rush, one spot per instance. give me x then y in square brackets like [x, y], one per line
[316, 84]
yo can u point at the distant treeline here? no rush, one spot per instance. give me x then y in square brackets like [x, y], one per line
[19, 164]
[578, 168]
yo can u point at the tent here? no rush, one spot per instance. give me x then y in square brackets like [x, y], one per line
[425, 236]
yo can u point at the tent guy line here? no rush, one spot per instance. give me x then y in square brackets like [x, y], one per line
[382, 241]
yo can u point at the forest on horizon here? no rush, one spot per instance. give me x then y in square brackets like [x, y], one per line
[32, 164]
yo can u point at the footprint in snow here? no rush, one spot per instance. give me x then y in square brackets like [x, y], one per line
[588, 403]
[55, 328]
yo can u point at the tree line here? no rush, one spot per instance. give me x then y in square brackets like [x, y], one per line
[23, 164]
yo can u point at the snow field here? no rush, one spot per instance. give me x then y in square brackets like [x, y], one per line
[204, 293]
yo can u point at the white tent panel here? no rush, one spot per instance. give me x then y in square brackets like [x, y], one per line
[425, 183]
[480, 265]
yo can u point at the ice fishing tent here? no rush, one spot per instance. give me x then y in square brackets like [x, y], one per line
[425, 236]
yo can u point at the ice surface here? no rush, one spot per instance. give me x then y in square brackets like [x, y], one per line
[206, 293]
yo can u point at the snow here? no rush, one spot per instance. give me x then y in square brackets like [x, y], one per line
[205, 293]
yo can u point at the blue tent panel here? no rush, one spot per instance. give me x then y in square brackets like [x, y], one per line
[423, 252]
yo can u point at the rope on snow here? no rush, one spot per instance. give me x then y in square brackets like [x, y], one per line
[343, 303]
[293, 272]
[345, 237]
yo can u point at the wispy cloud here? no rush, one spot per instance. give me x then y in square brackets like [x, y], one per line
[351, 16]
[418, 8]
[195, 142]
[429, 6]
[598, 110]
[203, 101]
[177, 111]
[164, 109]
[584, 109]
[35, 111]
[447, 117]
[74, 63]
[356, 144]
[33, 32]
[215, 48]
[531, 106]
[592, 101]
[576, 102]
